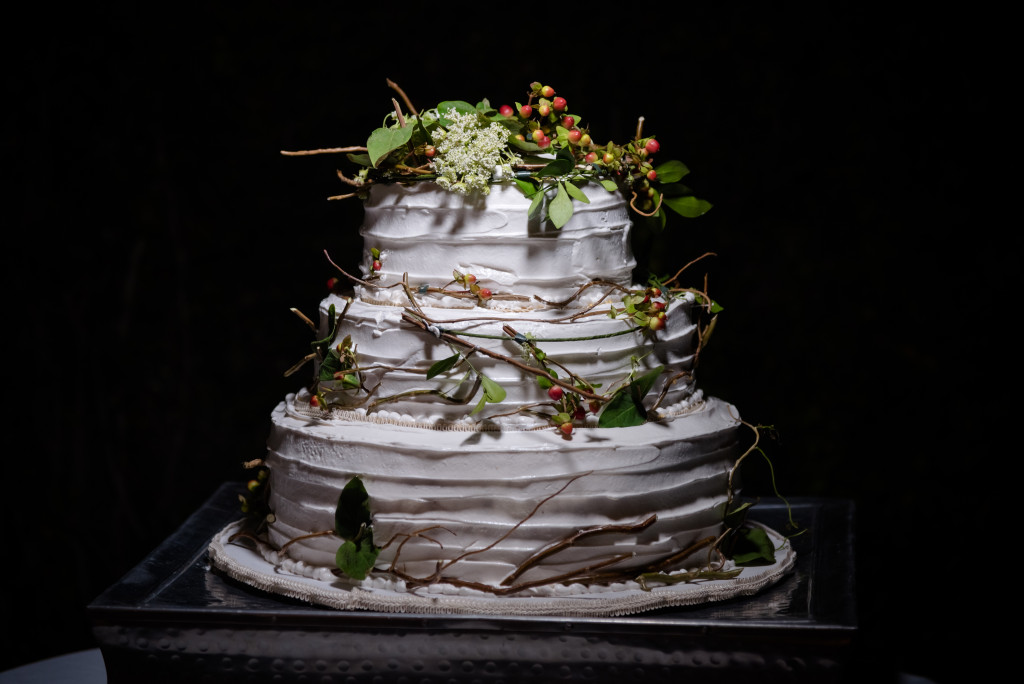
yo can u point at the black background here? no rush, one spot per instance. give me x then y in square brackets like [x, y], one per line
[154, 240]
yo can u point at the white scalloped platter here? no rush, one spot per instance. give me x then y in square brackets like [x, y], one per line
[253, 566]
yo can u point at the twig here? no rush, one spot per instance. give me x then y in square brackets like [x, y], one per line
[572, 539]
[632, 203]
[448, 337]
[398, 113]
[326, 150]
[405, 98]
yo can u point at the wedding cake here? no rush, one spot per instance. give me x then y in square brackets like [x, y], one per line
[497, 409]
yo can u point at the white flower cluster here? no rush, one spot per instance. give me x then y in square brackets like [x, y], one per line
[469, 154]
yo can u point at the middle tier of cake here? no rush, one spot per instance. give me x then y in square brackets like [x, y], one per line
[396, 347]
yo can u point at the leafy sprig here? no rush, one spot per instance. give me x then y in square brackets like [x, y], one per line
[545, 149]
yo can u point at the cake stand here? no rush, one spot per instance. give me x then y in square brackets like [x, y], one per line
[173, 619]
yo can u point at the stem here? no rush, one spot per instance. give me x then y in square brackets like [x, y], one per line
[401, 93]
[326, 150]
[452, 339]
[572, 539]
[398, 113]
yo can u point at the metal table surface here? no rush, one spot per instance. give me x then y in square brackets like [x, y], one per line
[172, 619]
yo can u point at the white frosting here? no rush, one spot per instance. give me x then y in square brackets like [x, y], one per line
[426, 232]
[450, 481]
[397, 355]
[466, 490]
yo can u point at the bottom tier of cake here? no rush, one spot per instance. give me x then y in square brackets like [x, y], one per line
[512, 507]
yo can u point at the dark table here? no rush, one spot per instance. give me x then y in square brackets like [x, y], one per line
[172, 619]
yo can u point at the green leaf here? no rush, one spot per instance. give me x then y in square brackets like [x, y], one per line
[609, 185]
[443, 365]
[360, 159]
[459, 106]
[642, 385]
[737, 516]
[626, 408]
[671, 171]
[352, 515]
[538, 200]
[356, 561]
[528, 189]
[384, 141]
[559, 166]
[576, 193]
[493, 392]
[560, 210]
[330, 365]
[688, 206]
[753, 547]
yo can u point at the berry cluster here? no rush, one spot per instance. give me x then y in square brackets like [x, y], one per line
[549, 126]
[375, 263]
[648, 309]
[569, 407]
[468, 281]
[254, 500]
[340, 368]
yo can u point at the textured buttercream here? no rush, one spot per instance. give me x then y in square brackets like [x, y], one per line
[502, 483]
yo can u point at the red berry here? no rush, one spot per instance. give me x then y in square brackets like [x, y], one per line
[547, 91]
[537, 134]
[566, 428]
[559, 104]
[377, 265]
[654, 291]
[469, 278]
[656, 323]
[585, 140]
[591, 157]
[608, 158]
[652, 146]
[568, 122]
[595, 406]
[429, 150]
[543, 109]
[544, 142]
[652, 174]
[575, 135]
[525, 111]
[658, 306]
[314, 401]
[506, 110]
[555, 393]
[580, 413]
[332, 283]
[483, 293]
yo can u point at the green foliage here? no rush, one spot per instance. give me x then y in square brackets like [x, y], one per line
[352, 522]
[746, 544]
[397, 151]
[493, 393]
[626, 408]
[353, 511]
[753, 547]
[384, 141]
[443, 365]
[357, 560]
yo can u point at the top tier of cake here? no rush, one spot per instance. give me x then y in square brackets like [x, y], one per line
[424, 233]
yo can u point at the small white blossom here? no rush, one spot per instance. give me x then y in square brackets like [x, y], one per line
[469, 154]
